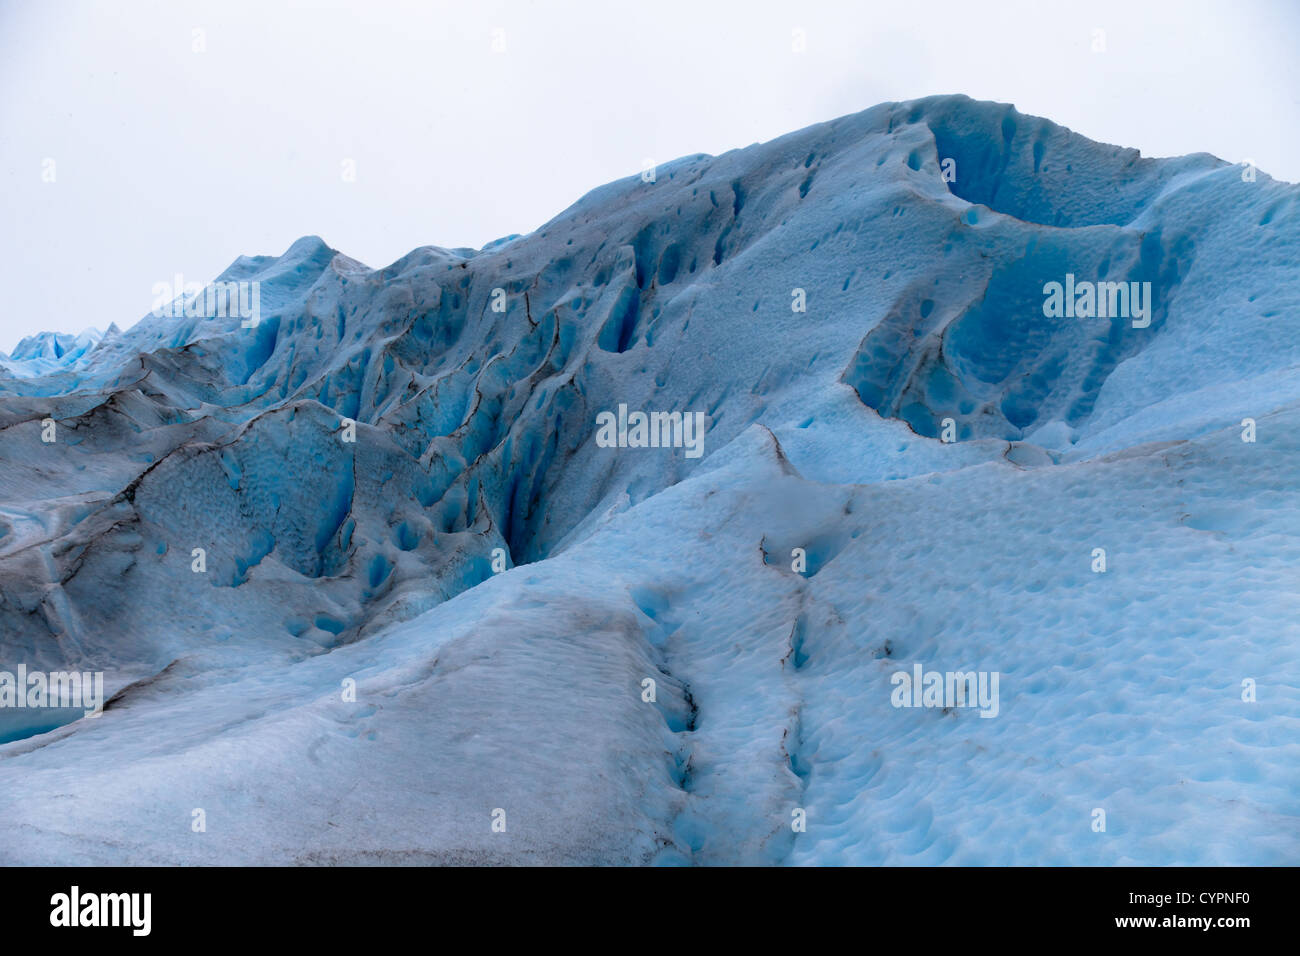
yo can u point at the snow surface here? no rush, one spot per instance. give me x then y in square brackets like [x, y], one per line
[371, 561]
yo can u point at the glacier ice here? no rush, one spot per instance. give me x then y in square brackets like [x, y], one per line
[461, 611]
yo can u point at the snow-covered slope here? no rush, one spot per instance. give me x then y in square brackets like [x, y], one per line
[477, 381]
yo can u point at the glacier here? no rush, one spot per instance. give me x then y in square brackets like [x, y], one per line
[476, 635]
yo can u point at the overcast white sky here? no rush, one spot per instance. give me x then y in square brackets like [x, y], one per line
[170, 160]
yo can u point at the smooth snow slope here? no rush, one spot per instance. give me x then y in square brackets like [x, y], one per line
[522, 691]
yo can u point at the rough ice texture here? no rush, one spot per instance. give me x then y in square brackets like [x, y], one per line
[523, 690]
